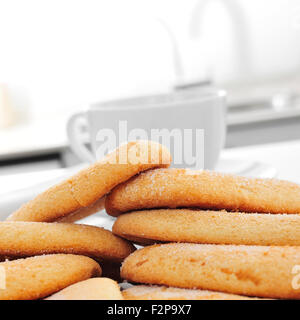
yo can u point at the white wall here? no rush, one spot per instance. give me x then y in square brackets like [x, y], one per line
[59, 54]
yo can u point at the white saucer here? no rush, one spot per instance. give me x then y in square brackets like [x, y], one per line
[251, 169]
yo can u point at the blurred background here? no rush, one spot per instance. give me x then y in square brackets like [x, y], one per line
[58, 56]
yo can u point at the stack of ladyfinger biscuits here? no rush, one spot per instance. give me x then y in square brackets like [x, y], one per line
[206, 235]
[46, 255]
[211, 235]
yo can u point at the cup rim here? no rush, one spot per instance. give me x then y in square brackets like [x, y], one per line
[153, 101]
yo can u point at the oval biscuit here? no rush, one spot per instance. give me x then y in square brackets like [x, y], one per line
[258, 271]
[142, 292]
[91, 289]
[22, 239]
[177, 188]
[38, 277]
[212, 227]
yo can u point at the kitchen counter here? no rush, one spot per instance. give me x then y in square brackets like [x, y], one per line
[34, 138]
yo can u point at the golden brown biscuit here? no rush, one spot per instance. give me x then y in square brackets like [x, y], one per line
[215, 227]
[21, 239]
[38, 277]
[170, 293]
[91, 184]
[91, 289]
[173, 188]
[258, 271]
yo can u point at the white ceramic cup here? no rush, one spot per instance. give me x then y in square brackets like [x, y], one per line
[191, 123]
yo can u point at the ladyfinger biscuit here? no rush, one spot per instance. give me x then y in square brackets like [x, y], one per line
[258, 271]
[173, 188]
[22, 239]
[91, 289]
[214, 227]
[142, 292]
[41, 276]
[91, 184]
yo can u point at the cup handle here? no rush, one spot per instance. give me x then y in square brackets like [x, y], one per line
[77, 137]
